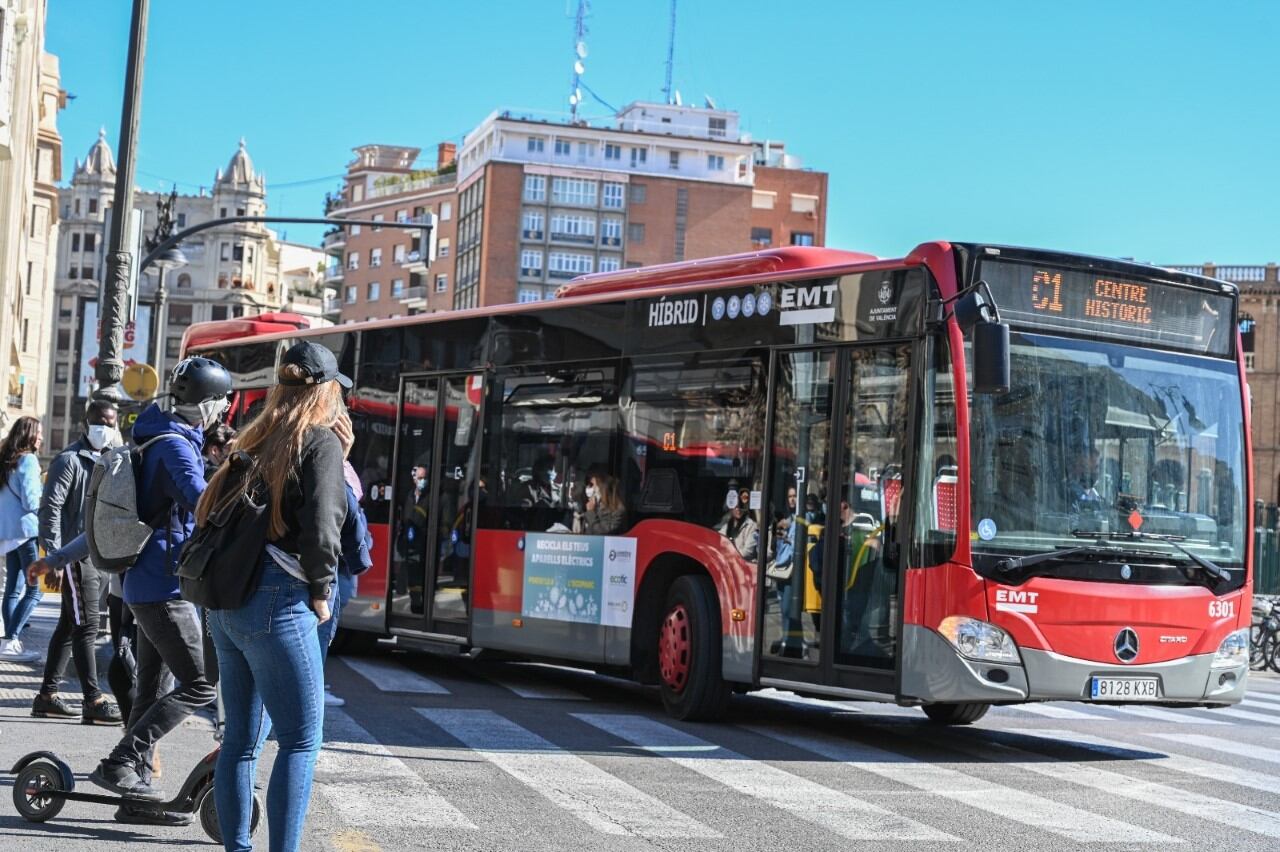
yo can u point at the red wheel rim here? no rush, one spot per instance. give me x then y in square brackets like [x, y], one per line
[674, 646]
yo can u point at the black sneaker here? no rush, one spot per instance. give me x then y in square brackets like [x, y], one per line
[100, 712]
[131, 815]
[123, 780]
[51, 707]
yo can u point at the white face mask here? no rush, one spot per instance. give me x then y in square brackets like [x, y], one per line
[592, 492]
[101, 436]
[211, 411]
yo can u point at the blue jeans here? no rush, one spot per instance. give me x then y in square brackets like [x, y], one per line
[19, 597]
[343, 591]
[269, 663]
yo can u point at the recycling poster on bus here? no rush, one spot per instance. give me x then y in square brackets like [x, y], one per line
[588, 579]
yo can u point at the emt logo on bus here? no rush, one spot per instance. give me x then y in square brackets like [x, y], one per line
[805, 305]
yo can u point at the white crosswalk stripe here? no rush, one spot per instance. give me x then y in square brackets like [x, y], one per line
[604, 802]
[1264, 697]
[1177, 717]
[1226, 746]
[1234, 713]
[1057, 711]
[1187, 802]
[390, 676]
[1007, 802]
[1239, 776]
[360, 778]
[537, 691]
[841, 813]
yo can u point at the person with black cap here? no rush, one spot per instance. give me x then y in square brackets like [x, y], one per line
[170, 482]
[268, 651]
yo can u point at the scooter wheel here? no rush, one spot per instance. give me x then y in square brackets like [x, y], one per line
[31, 791]
[207, 808]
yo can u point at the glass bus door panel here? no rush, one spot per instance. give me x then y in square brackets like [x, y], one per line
[865, 602]
[411, 508]
[797, 513]
[455, 488]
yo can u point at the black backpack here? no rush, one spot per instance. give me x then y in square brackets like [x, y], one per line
[221, 564]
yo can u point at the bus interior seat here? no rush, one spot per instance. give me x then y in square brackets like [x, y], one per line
[661, 493]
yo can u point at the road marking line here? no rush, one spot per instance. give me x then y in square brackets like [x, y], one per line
[367, 781]
[1265, 782]
[393, 677]
[538, 692]
[1267, 697]
[602, 801]
[1220, 744]
[847, 816]
[1007, 802]
[1160, 715]
[1186, 802]
[1057, 711]
[354, 841]
[1248, 715]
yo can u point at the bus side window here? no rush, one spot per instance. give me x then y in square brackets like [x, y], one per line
[694, 433]
[545, 433]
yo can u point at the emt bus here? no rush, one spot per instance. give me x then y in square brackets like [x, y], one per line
[973, 475]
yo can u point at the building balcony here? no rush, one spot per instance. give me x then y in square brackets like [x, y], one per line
[573, 239]
[398, 186]
[414, 262]
[335, 241]
[414, 294]
[334, 274]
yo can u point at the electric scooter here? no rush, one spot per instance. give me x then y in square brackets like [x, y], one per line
[45, 783]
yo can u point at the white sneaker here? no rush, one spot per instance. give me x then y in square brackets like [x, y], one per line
[13, 652]
[331, 700]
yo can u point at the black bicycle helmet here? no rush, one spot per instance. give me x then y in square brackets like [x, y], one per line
[195, 380]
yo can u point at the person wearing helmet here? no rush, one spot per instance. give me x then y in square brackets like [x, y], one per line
[170, 483]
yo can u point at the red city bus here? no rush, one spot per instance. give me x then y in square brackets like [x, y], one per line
[790, 492]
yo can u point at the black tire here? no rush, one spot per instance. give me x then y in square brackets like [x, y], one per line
[207, 809]
[27, 787]
[689, 651]
[956, 714]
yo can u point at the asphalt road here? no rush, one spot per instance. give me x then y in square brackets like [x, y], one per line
[447, 755]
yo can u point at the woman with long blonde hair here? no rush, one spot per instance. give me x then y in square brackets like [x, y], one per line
[268, 653]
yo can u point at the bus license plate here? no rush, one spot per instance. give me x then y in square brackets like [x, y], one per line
[1124, 688]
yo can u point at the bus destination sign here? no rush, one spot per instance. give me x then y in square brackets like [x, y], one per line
[1099, 303]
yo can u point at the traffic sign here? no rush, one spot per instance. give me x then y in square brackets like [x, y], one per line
[141, 381]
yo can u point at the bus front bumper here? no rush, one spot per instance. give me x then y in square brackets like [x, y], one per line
[933, 671]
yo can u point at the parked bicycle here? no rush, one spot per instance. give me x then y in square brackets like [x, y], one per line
[1264, 635]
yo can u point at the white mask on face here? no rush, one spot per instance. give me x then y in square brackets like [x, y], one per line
[592, 492]
[100, 436]
[211, 411]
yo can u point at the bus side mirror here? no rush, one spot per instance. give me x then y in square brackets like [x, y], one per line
[991, 358]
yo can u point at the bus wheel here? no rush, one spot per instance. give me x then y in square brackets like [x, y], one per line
[956, 714]
[689, 651]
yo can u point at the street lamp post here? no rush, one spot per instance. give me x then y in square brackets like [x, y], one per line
[115, 284]
[170, 258]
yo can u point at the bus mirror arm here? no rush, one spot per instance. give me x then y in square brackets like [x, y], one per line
[976, 313]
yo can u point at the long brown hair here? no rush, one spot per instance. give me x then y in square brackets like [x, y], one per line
[273, 440]
[610, 492]
[23, 437]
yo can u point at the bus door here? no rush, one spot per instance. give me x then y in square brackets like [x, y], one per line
[829, 596]
[435, 485]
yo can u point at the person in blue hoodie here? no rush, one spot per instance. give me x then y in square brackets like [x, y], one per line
[171, 481]
[356, 544]
[19, 502]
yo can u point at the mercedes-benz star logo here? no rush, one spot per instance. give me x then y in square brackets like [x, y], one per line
[1126, 645]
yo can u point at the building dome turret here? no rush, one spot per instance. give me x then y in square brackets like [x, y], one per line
[100, 162]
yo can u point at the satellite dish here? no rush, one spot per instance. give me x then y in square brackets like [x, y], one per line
[678, 101]
[579, 68]
[581, 50]
[710, 103]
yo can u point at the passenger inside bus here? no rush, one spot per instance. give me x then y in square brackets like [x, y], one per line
[740, 527]
[604, 512]
[540, 490]
[413, 540]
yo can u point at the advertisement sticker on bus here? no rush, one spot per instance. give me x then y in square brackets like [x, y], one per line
[588, 579]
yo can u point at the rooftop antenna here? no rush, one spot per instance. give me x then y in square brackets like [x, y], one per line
[579, 54]
[671, 54]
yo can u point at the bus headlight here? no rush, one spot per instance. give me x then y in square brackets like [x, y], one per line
[979, 640]
[1234, 650]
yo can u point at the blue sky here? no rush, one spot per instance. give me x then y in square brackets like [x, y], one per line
[1140, 128]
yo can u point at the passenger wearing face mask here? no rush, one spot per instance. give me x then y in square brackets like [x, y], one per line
[61, 519]
[171, 481]
[604, 512]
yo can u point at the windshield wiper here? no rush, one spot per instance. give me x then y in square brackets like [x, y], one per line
[1013, 564]
[1215, 571]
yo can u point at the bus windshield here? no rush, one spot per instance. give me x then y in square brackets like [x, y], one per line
[1101, 442]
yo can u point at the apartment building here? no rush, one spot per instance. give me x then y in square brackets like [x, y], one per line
[538, 202]
[384, 272]
[30, 167]
[231, 271]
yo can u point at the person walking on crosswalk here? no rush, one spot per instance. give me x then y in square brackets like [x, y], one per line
[268, 651]
[19, 502]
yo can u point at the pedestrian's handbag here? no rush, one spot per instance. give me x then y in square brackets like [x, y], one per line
[221, 564]
[779, 572]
